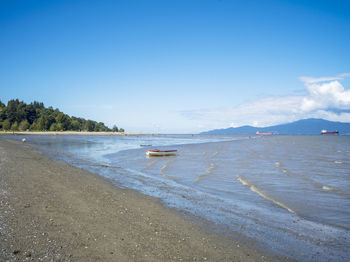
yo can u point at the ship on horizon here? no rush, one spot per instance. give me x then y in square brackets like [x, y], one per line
[331, 133]
[265, 133]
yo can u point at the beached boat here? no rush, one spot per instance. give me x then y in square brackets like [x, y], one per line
[157, 152]
[331, 133]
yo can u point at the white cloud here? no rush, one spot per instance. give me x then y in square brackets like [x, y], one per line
[311, 80]
[261, 112]
[323, 96]
[344, 75]
[326, 95]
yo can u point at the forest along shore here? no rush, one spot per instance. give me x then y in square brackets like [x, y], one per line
[88, 133]
[50, 210]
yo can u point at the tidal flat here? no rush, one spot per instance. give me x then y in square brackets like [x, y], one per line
[52, 211]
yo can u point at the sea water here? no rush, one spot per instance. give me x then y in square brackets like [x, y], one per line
[290, 194]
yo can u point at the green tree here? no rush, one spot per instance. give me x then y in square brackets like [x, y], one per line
[54, 127]
[59, 127]
[45, 121]
[24, 125]
[121, 130]
[33, 126]
[2, 111]
[38, 105]
[11, 110]
[30, 112]
[89, 125]
[14, 126]
[64, 121]
[75, 125]
[100, 127]
[6, 125]
[21, 113]
[42, 123]
[115, 128]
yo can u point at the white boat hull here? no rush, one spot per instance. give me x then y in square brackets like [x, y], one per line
[161, 153]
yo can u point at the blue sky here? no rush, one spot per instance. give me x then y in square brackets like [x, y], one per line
[181, 66]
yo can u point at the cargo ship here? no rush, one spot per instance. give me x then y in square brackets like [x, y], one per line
[331, 133]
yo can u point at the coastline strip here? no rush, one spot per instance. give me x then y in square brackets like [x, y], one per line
[53, 211]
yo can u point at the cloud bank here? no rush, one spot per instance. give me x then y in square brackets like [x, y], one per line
[325, 98]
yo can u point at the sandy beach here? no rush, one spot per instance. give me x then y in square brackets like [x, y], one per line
[50, 211]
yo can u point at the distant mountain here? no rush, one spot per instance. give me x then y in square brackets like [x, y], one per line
[309, 126]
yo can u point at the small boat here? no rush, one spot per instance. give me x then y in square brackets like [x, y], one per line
[267, 133]
[157, 152]
[330, 133]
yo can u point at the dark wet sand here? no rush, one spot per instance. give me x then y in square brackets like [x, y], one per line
[50, 211]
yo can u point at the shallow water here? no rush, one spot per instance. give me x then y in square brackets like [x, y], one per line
[289, 193]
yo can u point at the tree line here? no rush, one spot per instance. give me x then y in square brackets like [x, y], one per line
[19, 116]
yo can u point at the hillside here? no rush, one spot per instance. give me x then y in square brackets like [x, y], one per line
[19, 116]
[309, 126]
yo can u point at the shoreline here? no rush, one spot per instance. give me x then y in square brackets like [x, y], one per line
[50, 210]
